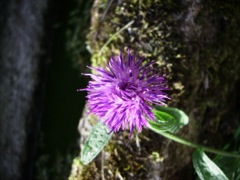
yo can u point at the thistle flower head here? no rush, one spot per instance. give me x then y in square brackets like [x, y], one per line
[122, 95]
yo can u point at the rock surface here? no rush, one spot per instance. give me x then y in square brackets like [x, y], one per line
[196, 43]
[21, 29]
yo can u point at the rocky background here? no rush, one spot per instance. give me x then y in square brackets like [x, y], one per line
[45, 45]
[196, 44]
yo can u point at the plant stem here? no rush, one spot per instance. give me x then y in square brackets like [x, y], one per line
[193, 145]
[115, 35]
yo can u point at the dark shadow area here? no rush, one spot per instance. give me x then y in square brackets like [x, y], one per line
[58, 140]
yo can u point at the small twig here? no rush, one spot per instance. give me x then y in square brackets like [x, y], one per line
[114, 35]
[102, 167]
[105, 12]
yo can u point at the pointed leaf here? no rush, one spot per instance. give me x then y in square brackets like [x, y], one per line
[229, 165]
[95, 142]
[206, 168]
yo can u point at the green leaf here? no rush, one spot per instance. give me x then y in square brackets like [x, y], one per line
[169, 119]
[229, 165]
[163, 121]
[95, 142]
[206, 168]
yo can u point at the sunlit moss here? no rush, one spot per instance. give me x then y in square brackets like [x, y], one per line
[83, 172]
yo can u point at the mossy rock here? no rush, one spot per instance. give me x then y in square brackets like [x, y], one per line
[196, 45]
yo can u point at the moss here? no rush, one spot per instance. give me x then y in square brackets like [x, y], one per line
[83, 172]
[151, 34]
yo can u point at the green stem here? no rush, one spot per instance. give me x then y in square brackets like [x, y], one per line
[115, 35]
[193, 145]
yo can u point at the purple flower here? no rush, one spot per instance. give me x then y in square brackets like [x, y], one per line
[123, 94]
